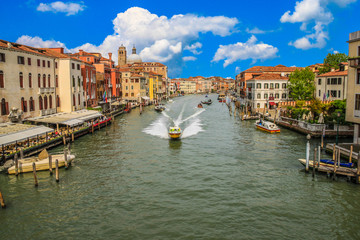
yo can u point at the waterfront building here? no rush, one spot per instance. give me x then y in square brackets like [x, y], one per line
[27, 80]
[88, 71]
[242, 78]
[353, 86]
[266, 90]
[332, 85]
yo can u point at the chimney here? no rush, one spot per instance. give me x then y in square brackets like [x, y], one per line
[332, 69]
[81, 52]
[110, 54]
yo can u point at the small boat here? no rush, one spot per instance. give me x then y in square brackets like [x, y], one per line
[326, 163]
[41, 163]
[170, 101]
[208, 102]
[174, 132]
[160, 108]
[267, 126]
[200, 105]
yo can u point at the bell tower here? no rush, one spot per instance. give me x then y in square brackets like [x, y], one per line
[121, 55]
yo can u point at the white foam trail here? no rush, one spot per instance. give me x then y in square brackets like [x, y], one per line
[194, 115]
[178, 121]
[158, 128]
[193, 129]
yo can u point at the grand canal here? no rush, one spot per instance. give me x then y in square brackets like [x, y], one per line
[223, 180]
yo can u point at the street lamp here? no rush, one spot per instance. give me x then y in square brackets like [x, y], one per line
[337, 131]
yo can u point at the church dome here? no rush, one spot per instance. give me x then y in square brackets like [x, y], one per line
[134, 58]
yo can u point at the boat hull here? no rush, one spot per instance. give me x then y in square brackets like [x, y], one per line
[174, 135]
[267, 130]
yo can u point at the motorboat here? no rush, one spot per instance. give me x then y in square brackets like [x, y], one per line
[267, 126]
[326, 163]
[207, 102]
[200, 105]
[160, 108]
[174, 132]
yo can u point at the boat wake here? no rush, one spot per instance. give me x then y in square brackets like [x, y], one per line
[192, 124]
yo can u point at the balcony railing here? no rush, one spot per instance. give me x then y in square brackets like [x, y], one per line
[46, 90]
[49, 111]
[354, 62]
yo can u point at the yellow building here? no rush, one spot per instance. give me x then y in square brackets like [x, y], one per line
[353, 89]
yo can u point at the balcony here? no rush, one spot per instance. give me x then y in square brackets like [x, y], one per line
[354, 62]
[48, 90]
[49, 111]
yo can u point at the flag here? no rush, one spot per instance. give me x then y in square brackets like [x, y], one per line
[324, 97]
[105, 97]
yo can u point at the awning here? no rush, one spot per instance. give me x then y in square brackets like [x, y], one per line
[115, 104]
[72, 122]
[25, 134]
[92, 116]
[145, 98]
[272, 103]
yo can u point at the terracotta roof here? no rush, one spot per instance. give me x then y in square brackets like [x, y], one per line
[20, 47]
[269, 76]
[261, 69]
[135, 75]
[336, 73]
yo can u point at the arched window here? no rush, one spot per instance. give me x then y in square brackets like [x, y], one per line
[56, 81]
[21, 78]
[283, 96]
[258, 95]
[4, 107]
[271, 95]
[39, 81]
[266, 96]
[23, 105]
[271, 85]
[45, 102]
[79, 82]
[258, 105]
[50, 101]
[30, 81]
[40, 103]
[57, 101]
[284, 85]
[74, 100]
[31, 103]
[266, 85]
[276, 95]
[44, 81]
[277, 86]
[258, 85]
[2, 79]
[49, 80]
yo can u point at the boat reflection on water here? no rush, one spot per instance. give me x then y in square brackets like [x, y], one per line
[175, 145]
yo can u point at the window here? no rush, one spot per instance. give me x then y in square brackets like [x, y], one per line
[283, 96]
[258, 105]
[339, 81]
[55, 64]
[319, 93]
[50, 101]
[44, 81]
[266, 85]
[23, 105]
[48, 64]
[21, 60]
[43, 61]
[40, 103]
[333, 93]
[277, 85]
[2, 57]
[45, 102]
[56, 81]
[126, 87]
[126, 94]
[284, 85]
[258, 96]
[30, 81]
[73, 65]
[39, 80]
[258, 85]
[358, 77]
[319, 81]
[4, 107]
[333, 81]
[328, 81]
[132, 94]
[49, 80]
[271, 86]
[357, 102]
[271, 95]
[339, 94]
[78, 66]
[137, 80]
[2, 85]
[31, 103]
[79, 98]
[74, 101]
[38, 62]
[29, 61]
[73, 81]
[79, 82]
[21, 79]
[132, 87]
[266, 96]
[57, 101]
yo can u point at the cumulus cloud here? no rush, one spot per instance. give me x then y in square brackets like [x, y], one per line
[255, 30]
[161, 51]
[40, 43]
[252, 49]
[69, 8]
[237, 70]
[189, 58]
[316, 13]
[193, 48]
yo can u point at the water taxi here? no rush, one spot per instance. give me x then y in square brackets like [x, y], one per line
[160, 108]
[208, 102]
[267, 126]
[174, 132]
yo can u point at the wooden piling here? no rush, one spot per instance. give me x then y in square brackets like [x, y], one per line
[35, 177]
[314, 161]
[92, 126]
[319, 156]
[65, 159]
[21, 153]
[57, 170]
[307, 156]
[2, 201]
[322, 141]
[351, 152]
[275, 116]
[64, 139]
[16, 165]
[335, 164]
[72, 137]
[50, 164]
[334, 149]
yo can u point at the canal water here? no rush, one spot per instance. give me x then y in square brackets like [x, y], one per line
[223, 180]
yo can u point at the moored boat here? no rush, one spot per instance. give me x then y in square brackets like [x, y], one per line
[267, 126]
[325, 163]
[208, 102]
[174, 132]
[200, 105]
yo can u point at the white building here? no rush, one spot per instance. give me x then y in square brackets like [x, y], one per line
[267, 90]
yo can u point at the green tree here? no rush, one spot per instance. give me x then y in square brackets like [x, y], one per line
[301, 84]
[333, 60]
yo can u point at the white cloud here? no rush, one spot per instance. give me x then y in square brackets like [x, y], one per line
[39, 43]
[193, 48]
[160, 38]
[252, 49]
[189, 58]
[314, 12]
[237, 70]
[255, 30]
[69, 8]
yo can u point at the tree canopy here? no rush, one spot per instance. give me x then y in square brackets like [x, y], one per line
[301, 84]
[333, 60]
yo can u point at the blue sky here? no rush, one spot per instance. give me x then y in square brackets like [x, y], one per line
[206, 38]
